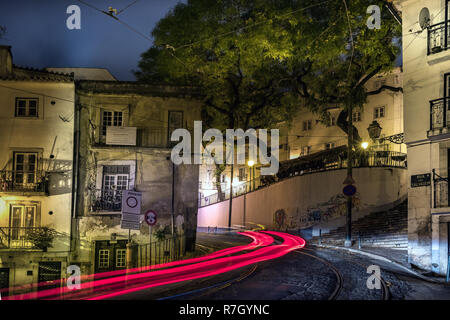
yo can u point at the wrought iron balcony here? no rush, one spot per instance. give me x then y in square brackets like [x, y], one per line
[438, 113]
[16, 237]
[440, 191]
[106, 200]
[438, 35]
[23, 181]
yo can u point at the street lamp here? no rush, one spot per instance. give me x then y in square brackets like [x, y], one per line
[374, 130]
[364, 145]
[251, 163]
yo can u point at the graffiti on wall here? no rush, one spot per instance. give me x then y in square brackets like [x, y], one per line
[334, 208]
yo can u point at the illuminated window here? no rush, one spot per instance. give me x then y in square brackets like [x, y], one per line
[379, 113]
[26, 107]
[121, 258]
[103, 258]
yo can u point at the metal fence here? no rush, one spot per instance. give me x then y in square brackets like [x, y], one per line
[23, 181]
[163, 251]
[106, 200]
[16, 237]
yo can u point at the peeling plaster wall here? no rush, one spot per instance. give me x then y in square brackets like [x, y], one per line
[151, 167]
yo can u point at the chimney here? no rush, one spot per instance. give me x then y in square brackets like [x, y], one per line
[5, 61]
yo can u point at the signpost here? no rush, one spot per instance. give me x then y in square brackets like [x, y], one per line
[150, 217]
[131, 210]
[420, 180]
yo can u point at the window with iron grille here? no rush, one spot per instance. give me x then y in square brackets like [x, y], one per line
[26, 107]
[241, 174]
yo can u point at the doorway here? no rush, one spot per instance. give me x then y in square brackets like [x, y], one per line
[49, 272]
[4, 281]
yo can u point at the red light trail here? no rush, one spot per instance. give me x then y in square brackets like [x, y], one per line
[127, 281]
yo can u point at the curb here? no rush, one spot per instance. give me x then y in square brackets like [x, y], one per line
[385, 259]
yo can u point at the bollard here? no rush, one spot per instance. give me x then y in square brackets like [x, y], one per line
[320, 237]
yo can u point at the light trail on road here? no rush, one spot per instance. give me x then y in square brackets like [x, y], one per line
[209, 265]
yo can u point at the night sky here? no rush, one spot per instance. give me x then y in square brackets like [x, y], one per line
[37, 32]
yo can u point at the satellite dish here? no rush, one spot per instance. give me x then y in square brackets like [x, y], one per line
[424, 18]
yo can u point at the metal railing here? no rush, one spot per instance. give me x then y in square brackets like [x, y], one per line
[438, 37]
[440, 191]
[16, 237]
[322, 161]
[146, 137]
[238, 190]
[106, 200]
[438, 113]
[23, 181]
[163, 251]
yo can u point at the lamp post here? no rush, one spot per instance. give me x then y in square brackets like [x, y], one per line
[251, 163]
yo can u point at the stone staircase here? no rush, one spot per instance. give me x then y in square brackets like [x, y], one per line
[387, 229]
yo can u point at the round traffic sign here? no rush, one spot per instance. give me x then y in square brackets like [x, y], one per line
[349, 190]
[150, 217]
[132, 202]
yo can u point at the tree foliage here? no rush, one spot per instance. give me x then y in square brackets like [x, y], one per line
[253, 60]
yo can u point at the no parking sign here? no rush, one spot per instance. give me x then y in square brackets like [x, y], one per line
[150, 217]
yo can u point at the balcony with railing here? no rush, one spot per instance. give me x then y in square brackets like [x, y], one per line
[438, 35]
[23, 181]
[106, 200]
[439, 122]
[16, 237]
[145, 137]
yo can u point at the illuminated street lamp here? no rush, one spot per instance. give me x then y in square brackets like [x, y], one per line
[364, 145]
[251, 164]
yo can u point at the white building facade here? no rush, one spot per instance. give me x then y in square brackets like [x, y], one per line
[36, 155]
[426, 63]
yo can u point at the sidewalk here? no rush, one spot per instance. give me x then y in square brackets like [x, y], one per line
[397, 257]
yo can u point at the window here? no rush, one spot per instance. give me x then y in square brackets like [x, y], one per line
[25, 166]
[330, 145]
[378, 113]
[307, 125]
[116, 177]
[356, 116]
[306, 150]
[241, 174]
[111, 119]
[175, 122]
[103, 258]
[22, 216]
[121, 258]
[332, 121]
[26, 107]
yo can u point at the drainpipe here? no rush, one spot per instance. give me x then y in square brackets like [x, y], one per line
[74, 243]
